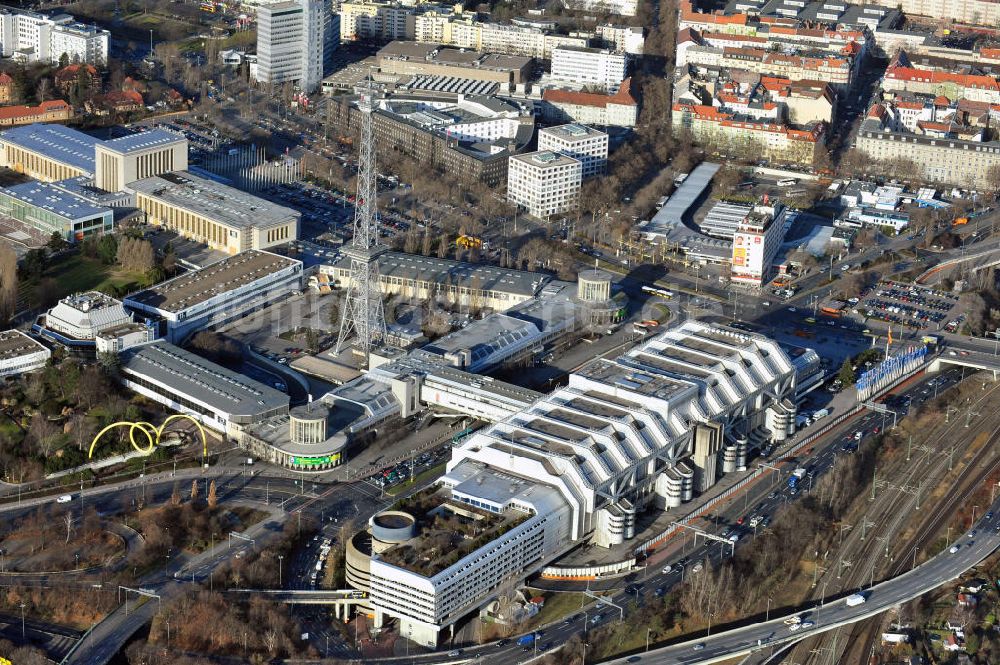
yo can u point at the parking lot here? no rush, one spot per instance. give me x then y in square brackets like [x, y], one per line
[911, 306]
[393, 475]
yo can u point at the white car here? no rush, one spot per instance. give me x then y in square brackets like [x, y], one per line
[667, 570]
[794, 626]
[791, 309]
[954, 549]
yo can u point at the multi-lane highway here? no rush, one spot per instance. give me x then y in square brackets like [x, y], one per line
[765, 498]
[969, 550]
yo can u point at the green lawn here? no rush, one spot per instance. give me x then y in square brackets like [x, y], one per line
[74, 273]
[557, 606]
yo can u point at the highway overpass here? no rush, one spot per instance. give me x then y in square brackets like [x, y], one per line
[978, 360]
[306, 597]
[834, 612]
[981, 258]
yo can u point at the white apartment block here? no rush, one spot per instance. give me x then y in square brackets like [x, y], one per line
[545, 183]
[977, 12]
[620, 7]
[622, 37]
[584, 144]
[30, 37]
[83, 43]
[424, 604]
[290, 42]
[373, 19]
[446, 25]
[525, 40]
[590, 66]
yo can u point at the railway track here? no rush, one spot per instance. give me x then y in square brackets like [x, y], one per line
[881, 556]
[865, 635]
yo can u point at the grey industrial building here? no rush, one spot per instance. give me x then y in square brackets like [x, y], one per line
[217, 294]
[415, 58]
[220, 399]
[468, 137]
[474, 285]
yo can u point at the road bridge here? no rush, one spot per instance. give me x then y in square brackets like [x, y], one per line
[973, 359]
[974, 261]
[834, 613]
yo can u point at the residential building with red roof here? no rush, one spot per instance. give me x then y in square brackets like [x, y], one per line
[795, 63]
[620, 109]
[6, 88]
[956, 82]
[66, 79]
[950, 142]
[54, 110]
[116, 101]
[737, 134]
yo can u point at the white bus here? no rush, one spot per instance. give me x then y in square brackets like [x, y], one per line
[656, 291]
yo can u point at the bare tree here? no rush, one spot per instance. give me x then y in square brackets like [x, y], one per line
[270, 638]
[8, 280]
[68, 521]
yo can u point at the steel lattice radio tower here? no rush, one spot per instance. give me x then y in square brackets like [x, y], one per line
[363, 315]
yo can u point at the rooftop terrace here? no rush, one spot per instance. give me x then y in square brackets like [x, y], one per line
[447, 530]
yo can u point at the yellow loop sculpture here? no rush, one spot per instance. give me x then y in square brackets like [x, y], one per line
[151, 433]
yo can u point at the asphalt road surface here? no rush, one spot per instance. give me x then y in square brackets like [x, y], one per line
[970, 550]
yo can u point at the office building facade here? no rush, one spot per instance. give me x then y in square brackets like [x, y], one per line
[291, 42]
[602, 68]
[544, 183]
[756, 242]
[33, 37]
[223, 217]
[582, 143]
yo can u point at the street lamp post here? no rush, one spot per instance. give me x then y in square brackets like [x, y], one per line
[22, 620]
[280, 557]
[767, 612]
